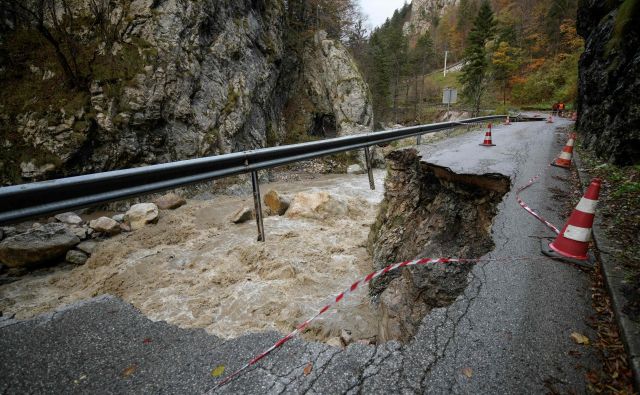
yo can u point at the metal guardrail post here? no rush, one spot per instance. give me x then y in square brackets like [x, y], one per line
[258, 205]
[419, 139]
[367, 157]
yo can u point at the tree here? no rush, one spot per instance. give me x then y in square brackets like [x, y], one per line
[504, 63]
[475, 72]
[55, 22]
[420, 58]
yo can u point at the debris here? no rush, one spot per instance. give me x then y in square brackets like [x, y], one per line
[129, 370]
[317, 205]
[345, 336]
[105, 225]
[218, 371]
[580, 338]
[467, 372]
[36, 246]
[76, 257]
[170, 201]
[69, 218]
[278, 204]
[307, 369]
[244, 214]
[335, 342]
[88, 247]
[141, 214]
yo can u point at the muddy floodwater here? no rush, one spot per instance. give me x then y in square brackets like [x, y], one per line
[196, 269]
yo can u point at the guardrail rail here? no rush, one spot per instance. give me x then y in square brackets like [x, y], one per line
[33, 200]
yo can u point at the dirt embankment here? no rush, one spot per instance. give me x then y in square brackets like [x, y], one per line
[428, 212]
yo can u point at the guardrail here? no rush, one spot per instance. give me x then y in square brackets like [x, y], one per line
[26, 201]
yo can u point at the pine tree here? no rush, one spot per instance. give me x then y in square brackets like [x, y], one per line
[475, 73]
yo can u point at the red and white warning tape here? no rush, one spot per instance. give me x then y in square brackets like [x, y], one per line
[300, 328]
[529, 209]
[335, 301]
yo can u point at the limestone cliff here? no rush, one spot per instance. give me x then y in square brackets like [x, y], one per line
[187, 79]
[609, 105]
[424, 14]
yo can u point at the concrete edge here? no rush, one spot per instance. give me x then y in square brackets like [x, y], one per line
[614, 276]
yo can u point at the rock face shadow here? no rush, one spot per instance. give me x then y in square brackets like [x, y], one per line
[428, 211]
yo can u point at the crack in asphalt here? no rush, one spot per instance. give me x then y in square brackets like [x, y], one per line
[322, 369]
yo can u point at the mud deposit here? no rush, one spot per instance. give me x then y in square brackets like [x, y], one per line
[197, 269]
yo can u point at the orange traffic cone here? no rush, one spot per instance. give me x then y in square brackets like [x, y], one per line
[564, 159]
[507, 122]
[487, 139]
[572, 244]
[550, 119]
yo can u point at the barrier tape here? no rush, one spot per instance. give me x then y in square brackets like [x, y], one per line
[300, 328]
[335, 301]
[529, 209]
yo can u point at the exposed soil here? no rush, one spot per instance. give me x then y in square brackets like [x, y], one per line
[428, 211]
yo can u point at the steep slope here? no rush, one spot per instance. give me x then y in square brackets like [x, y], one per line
[608, 105]
[184, 80]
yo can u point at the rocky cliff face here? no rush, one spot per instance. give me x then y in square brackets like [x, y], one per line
[423, 15]
[609, 105]
[208, 78]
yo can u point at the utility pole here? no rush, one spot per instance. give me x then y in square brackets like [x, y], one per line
[445, 62]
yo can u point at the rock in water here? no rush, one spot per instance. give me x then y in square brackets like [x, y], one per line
[244, 214]
[69, 218]
[355, 169]
[170, 201]
[37, 246]
[141, 214]
[77, 257]
[278, 204]
[105, 225]
[318, 205]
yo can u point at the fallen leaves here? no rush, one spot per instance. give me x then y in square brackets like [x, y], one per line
[131, 369]
[467, 372]
[218, 371]
[580, 338]
[307, 369]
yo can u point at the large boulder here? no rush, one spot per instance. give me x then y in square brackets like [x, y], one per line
[37, 245]
[316, 205]
[141, 214]
[276, 203]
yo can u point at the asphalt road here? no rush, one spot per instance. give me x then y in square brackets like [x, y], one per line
[508, 333]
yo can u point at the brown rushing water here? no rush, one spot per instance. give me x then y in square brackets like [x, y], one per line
[196, 269]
